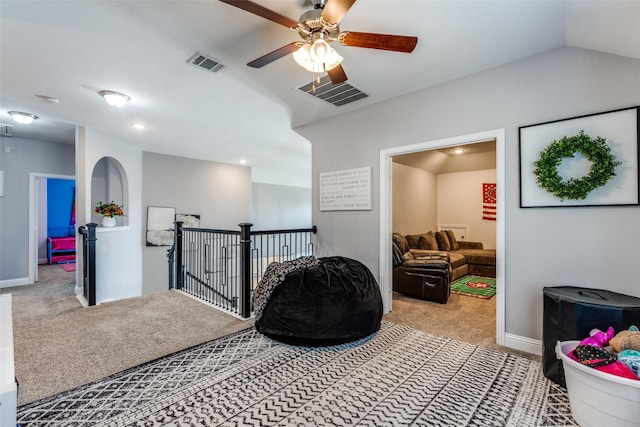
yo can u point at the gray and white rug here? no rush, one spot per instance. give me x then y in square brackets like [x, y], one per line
[398, 376]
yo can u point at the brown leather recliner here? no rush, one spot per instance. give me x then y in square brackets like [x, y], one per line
[424, 275]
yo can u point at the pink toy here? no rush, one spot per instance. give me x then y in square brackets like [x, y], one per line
[598, 338]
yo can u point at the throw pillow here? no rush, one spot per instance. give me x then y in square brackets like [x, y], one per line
[443, 241]
[453, 242]
[414, 241]
[428, 241]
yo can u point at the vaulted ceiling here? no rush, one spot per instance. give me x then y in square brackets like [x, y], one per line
[70, 50]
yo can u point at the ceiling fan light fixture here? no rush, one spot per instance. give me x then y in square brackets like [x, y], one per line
[305, 58]
[22, 118]
[320, 50]
[115, 99]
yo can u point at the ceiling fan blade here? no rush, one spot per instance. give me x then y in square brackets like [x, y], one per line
[337, 75]
[256, 9]
[404, 44]
[334, 10]
[275, 55]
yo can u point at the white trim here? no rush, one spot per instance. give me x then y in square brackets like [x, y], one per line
[523, 344]
[9, 283]
[455, 227]
[8, 384]
[100, 229]
[386, 287]
[33, 220]
[386, 270]
[217, 307]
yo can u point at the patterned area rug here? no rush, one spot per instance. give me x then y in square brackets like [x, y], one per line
[398, 376]
[475, 286]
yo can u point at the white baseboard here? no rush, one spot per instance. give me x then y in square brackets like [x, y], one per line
[518, 342]
[14, 282]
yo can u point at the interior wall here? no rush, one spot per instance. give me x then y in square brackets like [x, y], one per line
[460, 202]
[542, 245]
[18, 158]
[280, 207]
[220, 193]
[414, 209]
[118, 249]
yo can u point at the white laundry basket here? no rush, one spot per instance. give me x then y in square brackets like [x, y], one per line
[598, 398]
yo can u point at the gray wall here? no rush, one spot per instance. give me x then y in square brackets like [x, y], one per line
[218, 192]
[593, 247]
[281, 207]
[25, 156]
[415, 203]
[460, 202]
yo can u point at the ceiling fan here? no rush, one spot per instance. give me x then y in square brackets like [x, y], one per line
[318, 28]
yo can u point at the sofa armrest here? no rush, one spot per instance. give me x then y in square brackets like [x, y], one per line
[428, 268]
[470, 245]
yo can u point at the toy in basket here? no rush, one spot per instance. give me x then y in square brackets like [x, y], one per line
[602, 381]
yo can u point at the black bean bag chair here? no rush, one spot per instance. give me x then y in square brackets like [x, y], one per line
[317, 301]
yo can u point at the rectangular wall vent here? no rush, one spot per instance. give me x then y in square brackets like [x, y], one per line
[6, 130]
[205, 62]
[336, 94]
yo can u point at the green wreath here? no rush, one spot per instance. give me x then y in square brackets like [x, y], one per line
[603, 166]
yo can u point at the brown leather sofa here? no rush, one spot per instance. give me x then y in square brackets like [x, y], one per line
[465, 257]
[427, 277]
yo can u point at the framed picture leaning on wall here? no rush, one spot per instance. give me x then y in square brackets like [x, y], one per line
[160, 225]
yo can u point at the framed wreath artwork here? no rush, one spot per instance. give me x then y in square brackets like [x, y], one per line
[588, 160]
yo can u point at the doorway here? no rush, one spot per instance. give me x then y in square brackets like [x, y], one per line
[37, 210]
[386, 217]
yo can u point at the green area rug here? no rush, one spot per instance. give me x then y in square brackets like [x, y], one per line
[475, 286]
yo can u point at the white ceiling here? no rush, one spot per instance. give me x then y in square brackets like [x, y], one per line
[72, 49]
[471, 157]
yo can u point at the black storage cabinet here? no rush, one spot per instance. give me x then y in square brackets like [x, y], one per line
[571, 312]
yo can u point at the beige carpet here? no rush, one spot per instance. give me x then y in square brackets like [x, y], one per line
[462, 318]
[60, 345]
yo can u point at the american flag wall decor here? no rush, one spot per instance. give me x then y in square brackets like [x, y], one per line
[489, 201]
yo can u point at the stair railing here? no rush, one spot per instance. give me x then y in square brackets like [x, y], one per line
[222, 267]
[88, 233]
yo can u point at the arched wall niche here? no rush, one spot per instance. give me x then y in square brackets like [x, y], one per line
[109, 183]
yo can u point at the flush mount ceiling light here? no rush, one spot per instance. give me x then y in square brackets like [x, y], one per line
[115, 99]
[22, 118]
[138, 126]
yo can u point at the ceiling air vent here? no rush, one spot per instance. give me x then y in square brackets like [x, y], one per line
[205, 62]
[6, 130]
[336, 94]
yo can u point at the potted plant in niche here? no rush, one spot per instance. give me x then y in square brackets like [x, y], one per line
[109, 211]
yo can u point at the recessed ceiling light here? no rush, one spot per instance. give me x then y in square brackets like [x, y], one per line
[138, 126]
[22, 118]
[458, 151]
[115, 99]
